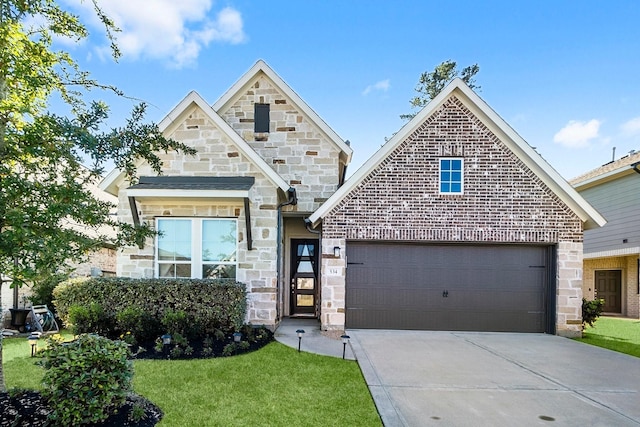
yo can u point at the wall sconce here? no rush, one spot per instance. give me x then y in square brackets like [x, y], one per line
[336, 251]
[299, 332]
[345, 340]
[33, 342]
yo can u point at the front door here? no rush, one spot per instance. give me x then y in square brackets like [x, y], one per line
[609, 288]
[304, 276]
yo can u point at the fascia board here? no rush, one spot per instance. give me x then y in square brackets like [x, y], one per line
[249, 78]
[604, 178]
[590, 217]
[188, 194]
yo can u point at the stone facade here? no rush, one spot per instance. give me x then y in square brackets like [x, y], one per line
[294, 147]
[503, 202]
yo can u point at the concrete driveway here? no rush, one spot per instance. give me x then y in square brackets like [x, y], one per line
[496, 379]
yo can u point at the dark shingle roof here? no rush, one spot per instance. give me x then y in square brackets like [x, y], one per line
[194, 183]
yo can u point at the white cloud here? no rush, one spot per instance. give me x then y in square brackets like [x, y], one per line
[170, 30]
[631, 127]
[382, 85]
[577, 134]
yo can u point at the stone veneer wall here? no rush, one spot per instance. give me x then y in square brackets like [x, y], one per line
[294, 146]
[629, 267]
[503, 202]
[216, 156]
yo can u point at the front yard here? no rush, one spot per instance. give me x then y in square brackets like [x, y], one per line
[618, 334]
[273, 386]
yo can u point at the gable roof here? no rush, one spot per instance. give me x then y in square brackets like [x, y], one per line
[624, 166]
[174, 118]
[249, 78]
[590, 217]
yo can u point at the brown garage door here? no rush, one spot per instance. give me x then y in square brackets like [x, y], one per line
[449, 287]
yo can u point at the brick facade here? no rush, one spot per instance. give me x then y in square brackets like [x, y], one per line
[503, 202]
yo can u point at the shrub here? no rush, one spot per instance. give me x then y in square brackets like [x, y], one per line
[134, 320]
[86, 380]
[591, 310]
[210, 305]
[89, 319]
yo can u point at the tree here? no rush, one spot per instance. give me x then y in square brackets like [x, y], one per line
[46, 209]
[431, 83]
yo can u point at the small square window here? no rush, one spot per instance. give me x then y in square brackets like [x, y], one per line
[451, 176]
[261, 118]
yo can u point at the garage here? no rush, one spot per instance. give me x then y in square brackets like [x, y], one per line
[450, 287]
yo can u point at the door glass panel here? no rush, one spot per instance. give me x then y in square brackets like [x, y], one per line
[305, 267]
[305, 282]
[304, 300]
[305, 250]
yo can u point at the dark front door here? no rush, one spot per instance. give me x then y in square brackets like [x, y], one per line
[608, 287]
[304, 276]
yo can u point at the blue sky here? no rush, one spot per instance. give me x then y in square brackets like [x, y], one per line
[561, 73]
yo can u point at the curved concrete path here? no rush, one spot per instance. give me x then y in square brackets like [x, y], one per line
[420, 378]
[313, 340]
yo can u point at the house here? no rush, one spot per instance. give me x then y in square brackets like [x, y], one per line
[612, 253]
[236, 209]
[455, 223]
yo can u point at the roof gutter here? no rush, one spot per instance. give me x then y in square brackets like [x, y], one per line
[636, 167]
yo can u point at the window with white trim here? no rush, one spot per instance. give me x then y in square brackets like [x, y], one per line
[451, 176]
[197, 248]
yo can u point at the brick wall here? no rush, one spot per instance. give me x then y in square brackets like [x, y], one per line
[503, 201]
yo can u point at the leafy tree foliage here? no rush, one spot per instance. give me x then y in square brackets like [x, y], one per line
[48, 215]
[431, 83]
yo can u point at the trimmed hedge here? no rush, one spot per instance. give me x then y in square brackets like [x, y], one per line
[140, 305]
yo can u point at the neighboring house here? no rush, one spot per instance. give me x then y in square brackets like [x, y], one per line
[99, 263]
[612, 253]
[456, 223]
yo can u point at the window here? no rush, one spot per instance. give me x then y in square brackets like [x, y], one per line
[261, 118]
[451, 181]
[197, 248]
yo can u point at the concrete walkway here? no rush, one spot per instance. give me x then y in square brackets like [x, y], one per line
[313, 339]
[422, 378]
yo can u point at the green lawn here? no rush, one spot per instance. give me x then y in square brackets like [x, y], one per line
[618, 334]
[274, 386]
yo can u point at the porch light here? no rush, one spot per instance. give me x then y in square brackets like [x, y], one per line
[166, 339]
[237, 337]
[336, 251]
[33, 342]
[300, 332]
[345, 340]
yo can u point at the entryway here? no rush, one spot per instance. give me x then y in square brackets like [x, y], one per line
[304, 277]
[609, 288]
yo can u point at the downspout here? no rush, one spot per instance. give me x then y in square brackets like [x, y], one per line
[307, 224]
[636, 167]
[292, 200]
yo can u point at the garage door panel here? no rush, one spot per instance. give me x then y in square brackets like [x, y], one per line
[446, 287]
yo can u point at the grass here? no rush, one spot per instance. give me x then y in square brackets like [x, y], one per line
[274, 386]
[618, 334]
